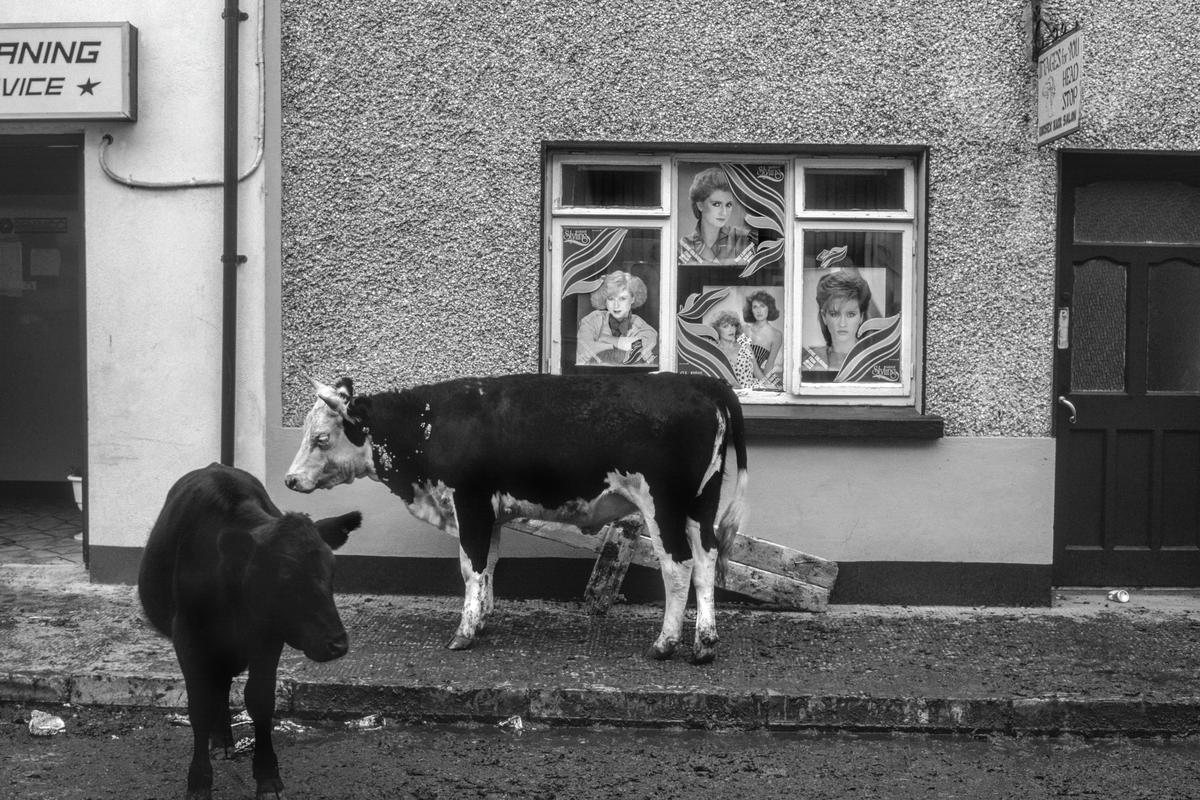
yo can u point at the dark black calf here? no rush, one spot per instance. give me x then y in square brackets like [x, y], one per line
[231, 579]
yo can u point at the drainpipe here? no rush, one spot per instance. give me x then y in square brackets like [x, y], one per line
[229, 256]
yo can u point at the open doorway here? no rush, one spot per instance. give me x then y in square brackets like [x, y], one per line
[42, 383]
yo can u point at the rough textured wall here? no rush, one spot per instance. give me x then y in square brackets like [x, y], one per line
[412, 180]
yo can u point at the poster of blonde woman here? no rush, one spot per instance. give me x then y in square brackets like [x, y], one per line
[609, 299]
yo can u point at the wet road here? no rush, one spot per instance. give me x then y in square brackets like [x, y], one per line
[140, 754]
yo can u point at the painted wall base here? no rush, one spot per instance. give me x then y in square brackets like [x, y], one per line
[859, 582]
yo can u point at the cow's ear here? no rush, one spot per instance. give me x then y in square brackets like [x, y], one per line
[236, 546]
[344, 387]
[358, 420]
[335, 530]
[359, 410]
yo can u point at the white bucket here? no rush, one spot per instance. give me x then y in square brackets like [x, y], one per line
[77, 488]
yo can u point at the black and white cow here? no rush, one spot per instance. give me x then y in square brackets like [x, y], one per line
[468, 454]
[231, 579]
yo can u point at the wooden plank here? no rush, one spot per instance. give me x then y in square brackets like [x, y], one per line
[775, 590]
[751, 580]
[784, 561]
[619, 541]
[561, 533]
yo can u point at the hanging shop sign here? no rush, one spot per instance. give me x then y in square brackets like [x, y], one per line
[1060, 79]
[85, 70]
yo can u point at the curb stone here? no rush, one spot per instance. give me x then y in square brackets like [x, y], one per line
[648, 707]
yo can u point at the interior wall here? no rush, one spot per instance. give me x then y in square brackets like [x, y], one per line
[41, 289]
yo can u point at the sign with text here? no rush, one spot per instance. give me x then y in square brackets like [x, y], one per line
[85, 70]
[1060, 75]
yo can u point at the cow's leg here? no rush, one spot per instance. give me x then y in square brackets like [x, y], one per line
[489, 595]
[201, 689]
[260, 702]
[677, 576]
[704, 576]
[476, 522]
[221, 735]
[705, 549]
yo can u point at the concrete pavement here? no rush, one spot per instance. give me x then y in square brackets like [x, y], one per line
[1084, 665]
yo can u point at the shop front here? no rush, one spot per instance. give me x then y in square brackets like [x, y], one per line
[949, 282]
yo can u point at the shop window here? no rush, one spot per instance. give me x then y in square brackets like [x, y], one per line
[793, 277]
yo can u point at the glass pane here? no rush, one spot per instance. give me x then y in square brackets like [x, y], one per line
[852, 284]
[611, 186]
[610, 298]
[731, 266]
[1173, 342]
[1098, 327]
[853, 189]
[1138, 211]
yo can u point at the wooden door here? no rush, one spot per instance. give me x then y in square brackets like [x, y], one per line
[1127, 374]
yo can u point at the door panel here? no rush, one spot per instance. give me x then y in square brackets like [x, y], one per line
[1181, 489]
[1131, 511]
[1085, 465]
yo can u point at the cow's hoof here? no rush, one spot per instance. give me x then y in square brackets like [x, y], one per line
[661, 651]
[269, 789]
[704, 654]
[198, 794]
[460, 642]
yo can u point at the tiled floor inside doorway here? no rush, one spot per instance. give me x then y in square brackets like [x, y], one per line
[39, 524]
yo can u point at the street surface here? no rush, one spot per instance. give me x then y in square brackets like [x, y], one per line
[129, 755]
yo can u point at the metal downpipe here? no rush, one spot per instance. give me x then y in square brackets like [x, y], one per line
[229, 257]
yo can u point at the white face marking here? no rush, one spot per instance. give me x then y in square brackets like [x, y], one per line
[326, 458]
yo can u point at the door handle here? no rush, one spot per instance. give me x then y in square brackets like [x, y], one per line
[1069, 406]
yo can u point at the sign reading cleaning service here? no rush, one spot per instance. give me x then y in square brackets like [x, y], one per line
[1060, 73]
[84, 70]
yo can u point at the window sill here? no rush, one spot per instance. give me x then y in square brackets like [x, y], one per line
[877, 422]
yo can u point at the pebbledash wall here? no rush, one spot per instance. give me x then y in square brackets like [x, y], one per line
[402, 241]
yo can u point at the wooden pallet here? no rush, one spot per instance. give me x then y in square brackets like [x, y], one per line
[758, 569]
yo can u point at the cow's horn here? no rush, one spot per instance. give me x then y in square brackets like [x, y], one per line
[332, 399]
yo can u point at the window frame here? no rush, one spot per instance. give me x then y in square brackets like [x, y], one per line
[553, 299]
[875, 391]
[856, 162]
[611, 160]
[798, 220]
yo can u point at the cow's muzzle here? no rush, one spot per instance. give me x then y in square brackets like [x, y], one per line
[297, 484]
[328, 651]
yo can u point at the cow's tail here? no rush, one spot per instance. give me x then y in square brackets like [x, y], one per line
[736, 510]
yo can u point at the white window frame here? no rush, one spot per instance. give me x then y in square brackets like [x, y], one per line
[857, 163]
[859, 391]
[668, 220]
[665, 171]
[552, 329]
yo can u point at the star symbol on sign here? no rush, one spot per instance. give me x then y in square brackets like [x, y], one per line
[86, 88]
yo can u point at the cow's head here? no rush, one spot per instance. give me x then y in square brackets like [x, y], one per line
[336, 447]
[283, 568]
